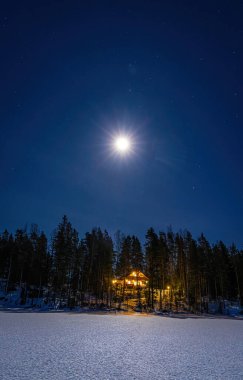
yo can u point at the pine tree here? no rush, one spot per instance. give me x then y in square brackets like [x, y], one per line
[64, 246]
[137, 258]
[151, 257]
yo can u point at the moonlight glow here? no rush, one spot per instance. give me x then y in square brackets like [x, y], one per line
[122, 144]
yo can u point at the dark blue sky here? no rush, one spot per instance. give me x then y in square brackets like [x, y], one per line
[168, 72]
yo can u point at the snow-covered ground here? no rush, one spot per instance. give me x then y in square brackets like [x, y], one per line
[67, 346]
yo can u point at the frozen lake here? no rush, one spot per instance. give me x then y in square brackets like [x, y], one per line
[67, 346]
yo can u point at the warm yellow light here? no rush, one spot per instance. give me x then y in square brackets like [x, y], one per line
[168, 287]
[133, 273]
[113, 281]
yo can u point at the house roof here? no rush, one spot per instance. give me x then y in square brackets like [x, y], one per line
[137, 275]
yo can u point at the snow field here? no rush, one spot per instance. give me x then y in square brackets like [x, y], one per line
[67, 346]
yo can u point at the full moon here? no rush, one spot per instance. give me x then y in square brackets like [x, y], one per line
[122, 144]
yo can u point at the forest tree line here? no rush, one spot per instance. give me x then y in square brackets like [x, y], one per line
[82, 269]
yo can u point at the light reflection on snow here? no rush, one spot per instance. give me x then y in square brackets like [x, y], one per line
[73, 346]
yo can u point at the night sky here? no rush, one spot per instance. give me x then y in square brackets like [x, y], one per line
[74, 74]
